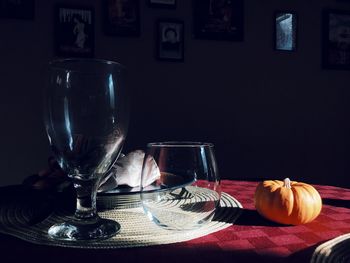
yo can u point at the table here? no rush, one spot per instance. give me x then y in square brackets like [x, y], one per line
[251, 239]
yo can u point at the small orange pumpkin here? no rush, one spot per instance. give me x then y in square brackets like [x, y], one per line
[287, 202]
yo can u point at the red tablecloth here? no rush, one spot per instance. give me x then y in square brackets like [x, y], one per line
[261, 238]
[251, 239]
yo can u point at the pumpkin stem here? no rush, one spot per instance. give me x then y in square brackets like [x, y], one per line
[286, 182]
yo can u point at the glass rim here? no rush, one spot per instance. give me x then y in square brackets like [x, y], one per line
[58, 64]
[170, 144]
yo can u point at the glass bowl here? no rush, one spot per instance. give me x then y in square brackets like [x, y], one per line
[180, 184]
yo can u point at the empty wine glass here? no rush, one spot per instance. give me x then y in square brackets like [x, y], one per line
[180, 185]
[86, 119]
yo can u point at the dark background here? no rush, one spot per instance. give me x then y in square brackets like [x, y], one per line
[270, 114]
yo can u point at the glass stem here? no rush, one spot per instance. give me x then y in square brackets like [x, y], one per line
[86, 198]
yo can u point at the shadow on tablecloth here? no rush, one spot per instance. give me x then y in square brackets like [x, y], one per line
[336, 202]
[253, 218]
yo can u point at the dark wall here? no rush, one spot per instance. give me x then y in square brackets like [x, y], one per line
[270, 114]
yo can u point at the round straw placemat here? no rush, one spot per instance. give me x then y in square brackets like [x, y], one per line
[334, 250]
[136, 229]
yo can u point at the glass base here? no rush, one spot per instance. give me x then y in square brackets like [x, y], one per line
[96, 229]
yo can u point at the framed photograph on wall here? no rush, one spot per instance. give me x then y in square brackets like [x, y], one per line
[170, 40]
[20, 9]
[336, 39]
[74, 31]
[218, 19]
[121, 17]
[162, 3]
[285, 31]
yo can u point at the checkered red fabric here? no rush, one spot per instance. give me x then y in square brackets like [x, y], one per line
[255, 237]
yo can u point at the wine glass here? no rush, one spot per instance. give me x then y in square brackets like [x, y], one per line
[180, 185]
[86, 119]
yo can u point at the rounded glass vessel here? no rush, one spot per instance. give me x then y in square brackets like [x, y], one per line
[180, 185]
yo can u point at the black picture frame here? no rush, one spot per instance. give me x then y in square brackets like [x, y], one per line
[74, 31]
[170, 40]
[169, 4]
[218, 19]
[21, 9]
[285, 30]
[121, 18]
[336, 39]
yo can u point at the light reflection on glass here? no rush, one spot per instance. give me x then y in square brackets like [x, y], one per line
[67, 123]
[67, 80]
[111, 91]
[203, 157]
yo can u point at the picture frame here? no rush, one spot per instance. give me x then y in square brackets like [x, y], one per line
[74, 31]
[21, 9]
[170, 4]
[285, 30]
[121, 18]
[170, 40]
[336, 39]
[218, 19]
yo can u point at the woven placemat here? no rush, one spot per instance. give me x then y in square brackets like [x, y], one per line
[336, 250]
[136, 229]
